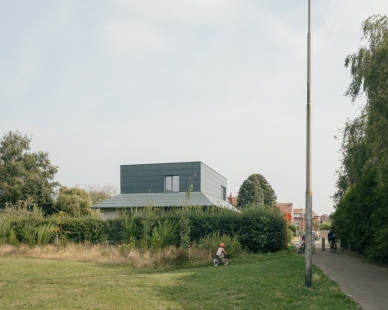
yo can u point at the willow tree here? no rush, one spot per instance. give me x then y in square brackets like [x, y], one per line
[362, 186]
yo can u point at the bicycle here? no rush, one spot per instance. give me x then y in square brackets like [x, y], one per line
[217, 261]
[333, 246]
[302, 248]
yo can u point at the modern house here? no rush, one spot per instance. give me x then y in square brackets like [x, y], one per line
[165, 185]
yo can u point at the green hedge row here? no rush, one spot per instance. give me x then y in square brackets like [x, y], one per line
[258, 231]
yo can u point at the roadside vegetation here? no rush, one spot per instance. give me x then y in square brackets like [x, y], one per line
[361, 215]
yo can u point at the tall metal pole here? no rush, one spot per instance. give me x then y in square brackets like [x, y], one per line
[309, 194]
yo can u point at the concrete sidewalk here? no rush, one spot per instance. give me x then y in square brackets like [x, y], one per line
[365, 284]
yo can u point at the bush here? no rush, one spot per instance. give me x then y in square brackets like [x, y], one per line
[44, 233]
[5, 227]
[164, 233]
[325, 226]
[212, 242]
[290, 236]
[258, 228]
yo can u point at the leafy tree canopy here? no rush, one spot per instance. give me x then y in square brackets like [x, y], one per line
[74, 201]
[364, 142]
[361, 196]
[256, 190]
[25, 175]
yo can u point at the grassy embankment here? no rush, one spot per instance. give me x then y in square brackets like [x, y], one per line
[268, 281]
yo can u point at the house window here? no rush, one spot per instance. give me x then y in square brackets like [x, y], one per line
[297, 224]
[296, 214]
[223, 193]
[172, 183]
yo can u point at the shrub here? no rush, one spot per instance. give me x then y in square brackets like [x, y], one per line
[5, 227]
[325, 226]
[28, 233]
[290, 236]
[44, 233]
[164, 233]
[212, 242]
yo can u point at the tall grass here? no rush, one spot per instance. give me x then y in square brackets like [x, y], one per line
[28, 233]
[5, 227]
[129, 231]
[164, 233]
[211, 243]
[21, 209]
[44, 234]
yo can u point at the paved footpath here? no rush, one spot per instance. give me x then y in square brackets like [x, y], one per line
[364, 283]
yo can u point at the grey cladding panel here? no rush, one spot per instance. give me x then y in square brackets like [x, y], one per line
[150, 177]
[211, 181]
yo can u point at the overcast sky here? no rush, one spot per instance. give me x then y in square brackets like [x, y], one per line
[99, 84]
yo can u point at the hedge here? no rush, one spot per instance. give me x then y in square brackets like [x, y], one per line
[258, 230]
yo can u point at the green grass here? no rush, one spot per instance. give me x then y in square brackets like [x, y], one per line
[272, 281]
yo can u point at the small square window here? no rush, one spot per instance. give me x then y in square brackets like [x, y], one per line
[172, 183]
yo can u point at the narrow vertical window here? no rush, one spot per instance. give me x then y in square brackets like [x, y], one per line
[168, 184]
[223, 193]
[175, 183]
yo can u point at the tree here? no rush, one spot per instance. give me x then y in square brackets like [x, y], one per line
[101, 193]
[74, 201]
[361, 215]
[25, 175]
[256, 189]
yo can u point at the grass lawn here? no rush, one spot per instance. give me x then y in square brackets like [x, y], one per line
[268, 281]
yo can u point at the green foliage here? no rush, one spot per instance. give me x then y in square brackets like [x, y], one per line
[185, 229]
[44, 233]
[22, 209]
[293, 228]
[290, 236]
[28, 233]
[325, 226]
[148, 219]
[12, 238]
[258, 228]
[256, 190]
[74, 201]
[129, 231]
[24, 174]
[361, 196]
[164, 233]
[5, 227]
[212, 241]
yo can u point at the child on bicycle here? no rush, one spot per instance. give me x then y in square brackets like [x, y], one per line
[220, 252]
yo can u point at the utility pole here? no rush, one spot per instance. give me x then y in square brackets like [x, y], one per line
[309, 194]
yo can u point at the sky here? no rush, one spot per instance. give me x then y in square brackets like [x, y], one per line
[99, 84]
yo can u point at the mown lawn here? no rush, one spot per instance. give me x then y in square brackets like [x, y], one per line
[273, 281]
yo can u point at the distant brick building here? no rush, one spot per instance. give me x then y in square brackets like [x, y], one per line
[233, 200]
[286, 207]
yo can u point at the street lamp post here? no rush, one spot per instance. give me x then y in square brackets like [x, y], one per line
[309, 195]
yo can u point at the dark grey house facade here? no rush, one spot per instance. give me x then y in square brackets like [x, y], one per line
[165, 185]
